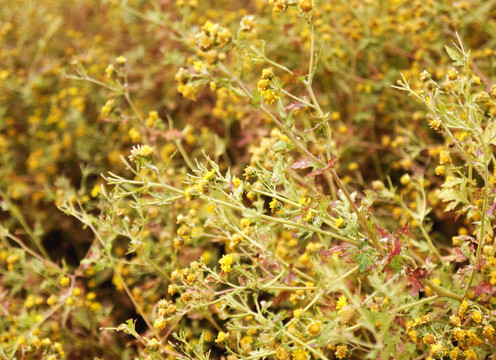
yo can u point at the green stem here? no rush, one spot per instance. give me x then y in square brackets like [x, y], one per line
[441, 291]
[184, 154]
[156, 267]
[420, 302]
[16, 213]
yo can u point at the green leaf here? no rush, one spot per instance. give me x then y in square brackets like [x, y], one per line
[455, 56]
[365, 259]
[282, 146]
[453, 197]
[395, 264]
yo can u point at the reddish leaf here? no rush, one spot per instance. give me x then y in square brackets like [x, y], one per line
[291, 275]
[394, 250]
[326, 253]
[405, 230]
[172, 134]
[210, 279]
[414, 277]
[484, 288]
[283, 295]
[382, 233]
[330, 165]
[302, 164]
[480, 264]
[491, 210]
[456, 256]
[313, 128]
[294, 106]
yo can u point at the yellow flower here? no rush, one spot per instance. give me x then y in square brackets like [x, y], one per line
[463, 308]
[247, 23]
[210, 28]
[109, 70]
[452, 74]
[208, 175]
[274, 204]
[134, 134]
[429, 339]
[477, 317]
[267, 73]
[440, 170]
[121, 60]
[236, 182]
[454, 353]
[352, 166]
[188, 91]
[305, 5]
[339, 222]
[341, 302]
[96, 190]
[341, 351]
[300, 354]
[458, 334]
[437, 348]
[269, 96]
[224, 37]
[488, 332]
[304, 259]
[199, 66]
[405, 179]
[314, 328]
[413, 335]
[222, 336]
[455, 320]
[298, 313]
[226, 262]
[52, 300]
[160, 323]
[153, 345]
[470, 354]
[444, 157]
[141, 152]
[106, 109]
[65, 281]
[262, 85]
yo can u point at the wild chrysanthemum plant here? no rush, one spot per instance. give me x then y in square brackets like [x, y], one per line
[270, 195]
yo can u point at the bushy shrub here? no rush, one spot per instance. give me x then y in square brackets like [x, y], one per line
[273, 179]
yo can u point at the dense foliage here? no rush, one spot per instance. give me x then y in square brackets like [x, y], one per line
[281, 179]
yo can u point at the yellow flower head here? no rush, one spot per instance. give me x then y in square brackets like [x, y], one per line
[314, 328]
[274, 204]
[269, 96]
[341, 302]
[140, 153]
[222, 336]
[267, 73]
[341, 351]
[455, 320]
[339, 222]
[477, 317]
[226, 262]
[300, 354]
[429, 339]
[208, 175]
[121, 60]
[444, 157]
[405, 179]
[305, 5]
